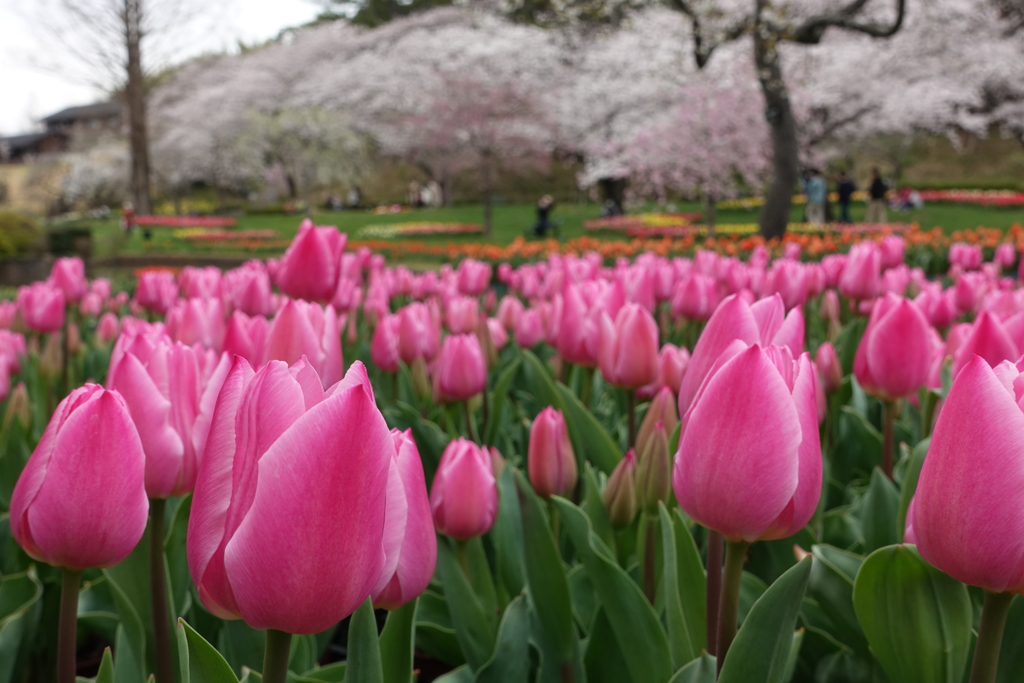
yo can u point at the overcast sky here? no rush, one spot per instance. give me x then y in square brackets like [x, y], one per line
[28, 93]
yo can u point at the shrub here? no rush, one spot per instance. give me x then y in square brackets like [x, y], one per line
[19, 234]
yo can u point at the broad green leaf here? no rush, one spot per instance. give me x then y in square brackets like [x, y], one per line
[364, 665]
[332, 673]
[540, 381]
[910, 478]
[1011, 655]
[848, 341]
[500, 396]
[692, 582]
[761, 649]
[510, 662]
[508, 534]
[129, 585]
[751, 590]
[19, 593]
[430, 439]
[700, 670]
[857, 448]
[680, 643]
[551, 668]
[881, 510]
[480, 579]
[549, 589]
[584, 600]
[435, 634]
[397, 643]
[463, 674]
[106, 672]
[916, 619]
[832, 575]
[597, 446]
[472, 626]
[127, 667]
[241, 645]
[604, 659]
[177, 561]
[200, 662]
[794, 655]
[593, 506]
[636, 626]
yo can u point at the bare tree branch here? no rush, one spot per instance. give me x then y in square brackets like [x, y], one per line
[702, 47]
[812, 30]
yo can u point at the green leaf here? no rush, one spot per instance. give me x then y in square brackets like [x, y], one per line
[700, 670]
[540, 381]
[397, 644]
[364, 665]
[200, 662]
[177, 560]
[19, 593]
[680, 643]
[604, 660]
[508, 534]
[1011, 655]
[848, 341]
[761, 649]
[510, 662]
[480, 579]
[472, 626]
[910, 478]
[597, 446]
[435, 634]
[881, 510]
[916, 619]
[129, 585]
[500, 396]
[692, 582]
[430, 439]
[106, 672]
[463, 674]
[332, 673]
[549, 589]
[831, 585]
[593, 505]
[636, 626]
[584, 600]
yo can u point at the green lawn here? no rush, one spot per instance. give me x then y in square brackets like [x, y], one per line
[510, 221]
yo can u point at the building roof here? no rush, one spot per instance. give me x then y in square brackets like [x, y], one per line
[16, 143]
[72, 114]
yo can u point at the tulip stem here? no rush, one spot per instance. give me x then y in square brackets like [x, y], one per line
[158, 593]
[588, 387]
[729, 607]
[990, 636]
[67, 626]
[484, 414]
[888, 438]
[275, 656]
[714, 589]
[470, 427]
[631, 416]
[928, 412]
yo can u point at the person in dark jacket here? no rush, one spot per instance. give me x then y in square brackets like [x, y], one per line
[845, 189]
[877, 201]
[544, 208]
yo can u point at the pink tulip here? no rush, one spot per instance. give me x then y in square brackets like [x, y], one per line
[1006, 255]
[672, 362]
[970, 496]
[247, 289]
[988, 339]
[42, 307]
[310, 266]
[418, 334]
[551, 460]
[8, 310]
[348, 296]
[464, 496]
[80, 501]
[969, 290]
[896, 350]
[967, 256]
[410, 544]
[91, 305]
[461, 369]
[156, 291]
[938, 306]
[662, 410]
[829, 366]
[307, 329]
[529, 329]
[108, 328]
[200, 283]
[68, 275]
[197, 321]
[861, 278]
[891, 248]
[463, 315]
[765, 402]
[474, 277]
[764, 322]
[695, 298]
[830, 306]
[629, 349]
[509, 311]
[499, 336]
[12, 348]
[101, 287]
[833, 265]
[788, 279]
[247, 337]
[384, 347]
[578, 328]
[288, 518]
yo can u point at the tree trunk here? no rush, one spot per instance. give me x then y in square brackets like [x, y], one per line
[135, 94]
[615, 190]
[785, 153]
[487, 189]
[709, 211]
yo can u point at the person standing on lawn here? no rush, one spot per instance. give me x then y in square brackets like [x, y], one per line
[817, 193]
[846, 189]
[876, 203]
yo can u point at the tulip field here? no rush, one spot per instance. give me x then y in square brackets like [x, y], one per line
[760, 466]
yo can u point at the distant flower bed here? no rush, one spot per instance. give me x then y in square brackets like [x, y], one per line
[217, 235]
[985, 197]
[167, 208]
[752, 228]
[418, 229]
[642, 220]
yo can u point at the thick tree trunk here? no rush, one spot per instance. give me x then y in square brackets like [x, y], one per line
[708, 202]
[135, 95]
[785, 152]
[615, 190]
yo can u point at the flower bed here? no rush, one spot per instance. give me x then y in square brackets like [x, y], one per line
[414, 229]
[641, 220]
[983, 197]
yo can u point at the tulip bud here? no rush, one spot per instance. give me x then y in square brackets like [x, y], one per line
[483, 333]
[628, 354]
[662, 411]
[18, 407]
[73, 344]
[895, 353]
[654, 471]
[497, 461]
[552, 463]
[462, 370]
[829, 309]
[384, 346]
[619, 494]
[829, 366]
[464, 497]
[108, 328]
[80, 501]
[51, 359]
